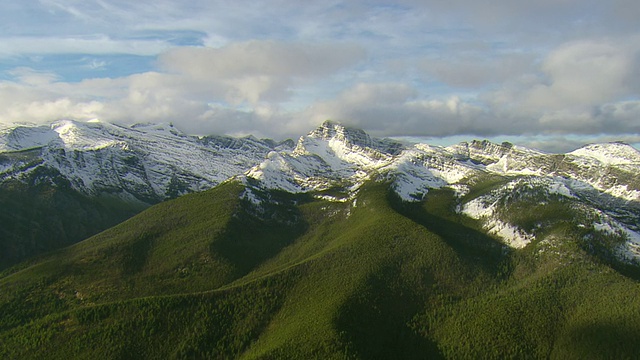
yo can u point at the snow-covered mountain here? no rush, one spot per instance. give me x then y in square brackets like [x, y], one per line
[598, 182]
[598, 185]
[146, 162]
[334, 155]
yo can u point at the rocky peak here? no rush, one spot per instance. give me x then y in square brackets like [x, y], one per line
[487, 152]
[350, 136]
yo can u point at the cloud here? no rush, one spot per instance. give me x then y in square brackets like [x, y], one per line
[431, 68]
[94, 44]
[587, 73]
[31, 77]
[261, 58]
[564, 144]
[257, 71]
[95, 64]
[244, 81]
[396, 109]
[476, 69]
[578, 88]
[585, 87]
[563, 17]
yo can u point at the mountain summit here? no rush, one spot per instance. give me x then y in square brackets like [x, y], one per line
[333, 162]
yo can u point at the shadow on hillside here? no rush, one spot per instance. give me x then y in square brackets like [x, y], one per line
[250, 240]
[43, 218]
[603, 341]
[624, 211]
[470, 244]
[136, 253]
[375, 322]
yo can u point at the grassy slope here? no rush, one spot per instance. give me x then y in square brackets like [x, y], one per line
[198, 277]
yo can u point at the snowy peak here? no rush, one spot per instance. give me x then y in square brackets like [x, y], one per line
[25, 137]
[334, 152]
[149, 162]
[615, 153]
[354, 138]
[159, 161]
[330, 156]
[486, 152]
[422, 167]
[342, 159]
[330, 130]
[85, 136]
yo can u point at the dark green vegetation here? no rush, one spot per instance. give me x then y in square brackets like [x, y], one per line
[39, 215]
[210, 276]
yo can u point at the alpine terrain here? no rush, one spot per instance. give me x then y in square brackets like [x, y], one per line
[62, 183]
[341, 245]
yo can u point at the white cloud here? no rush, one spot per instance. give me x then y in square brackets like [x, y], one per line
[261, 58]
[252, 77]
[579, 88]
[394, 68]
[31, 77]
[257, 71]
[476, 68]
[586, 73]
[396, 109]
[94, 45]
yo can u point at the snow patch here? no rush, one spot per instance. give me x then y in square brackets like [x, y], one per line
[460, 190]
[148, 160]
[623, 192]
[425, 167]
[479, 209]
[629, 250]
[558, 186]
[511, 235]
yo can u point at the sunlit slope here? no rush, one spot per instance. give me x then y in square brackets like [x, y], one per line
[210, 275]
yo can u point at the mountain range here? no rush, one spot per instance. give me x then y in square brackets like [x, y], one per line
[341, 245]
[62, 183]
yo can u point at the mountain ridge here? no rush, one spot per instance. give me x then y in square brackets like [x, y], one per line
[334, 157]
[64, 182]
[147, 163]
[337, 140]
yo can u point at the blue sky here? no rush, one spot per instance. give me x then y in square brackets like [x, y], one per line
[551, 73]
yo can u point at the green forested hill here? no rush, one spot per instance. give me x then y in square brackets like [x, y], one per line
[209, 275]
[40, 216]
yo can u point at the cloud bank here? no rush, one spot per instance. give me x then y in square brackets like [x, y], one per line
[405, 68]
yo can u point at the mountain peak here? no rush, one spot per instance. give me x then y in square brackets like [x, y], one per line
[487, 152]
[613, 153]
[330, 129]
[23, 137]
[350, 137]
[489, 146]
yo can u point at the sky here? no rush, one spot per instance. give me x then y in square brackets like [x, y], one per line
[552, 74]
